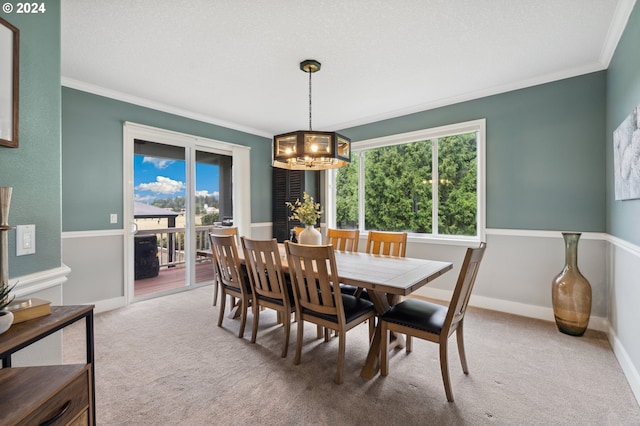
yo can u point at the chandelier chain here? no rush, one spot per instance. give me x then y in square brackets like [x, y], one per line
[310, 128]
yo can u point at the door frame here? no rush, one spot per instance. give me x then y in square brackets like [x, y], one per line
[241, 188]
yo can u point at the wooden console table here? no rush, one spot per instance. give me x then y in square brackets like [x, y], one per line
[35, 383]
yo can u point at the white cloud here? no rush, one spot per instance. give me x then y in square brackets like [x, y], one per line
[162, 185]
[144, 198]
[159, 163]
[205, 193]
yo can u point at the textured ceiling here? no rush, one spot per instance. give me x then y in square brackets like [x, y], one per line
[236, 62]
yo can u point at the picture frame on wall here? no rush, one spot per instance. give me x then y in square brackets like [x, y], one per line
[626, 157]
[9, 78]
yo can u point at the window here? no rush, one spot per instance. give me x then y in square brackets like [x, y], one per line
[429, 183]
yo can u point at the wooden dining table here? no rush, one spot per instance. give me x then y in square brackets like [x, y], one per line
[385, 278]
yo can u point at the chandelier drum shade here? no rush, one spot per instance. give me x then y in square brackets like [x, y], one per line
[309, 149]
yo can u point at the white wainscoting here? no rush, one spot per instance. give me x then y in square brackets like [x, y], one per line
[517, 270]
[261, 231]
[43, 285]
[623, 308]
[96, 260]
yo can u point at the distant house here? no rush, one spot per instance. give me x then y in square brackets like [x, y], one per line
[147, 211]
[210, 210]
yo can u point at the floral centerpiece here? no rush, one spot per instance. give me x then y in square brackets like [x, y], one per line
[306, 212]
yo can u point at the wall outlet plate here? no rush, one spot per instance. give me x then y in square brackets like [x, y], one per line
[25, 239]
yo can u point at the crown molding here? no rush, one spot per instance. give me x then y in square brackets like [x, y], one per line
[135, 100]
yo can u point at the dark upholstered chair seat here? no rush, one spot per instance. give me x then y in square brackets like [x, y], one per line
[418, 314]
[353, 308]
[279, 301]
[355, 291]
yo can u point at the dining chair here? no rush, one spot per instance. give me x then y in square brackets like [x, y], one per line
[387, 243]
[227, 230]
[343, 239]
[382, 243]
[234, 281]
[318, 298]
[270, 289]
[434, 322]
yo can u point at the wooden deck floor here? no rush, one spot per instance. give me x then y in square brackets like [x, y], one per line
[172, 278]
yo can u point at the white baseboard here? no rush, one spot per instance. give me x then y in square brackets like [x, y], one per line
[515, 308]
[109, 304]
[629, 370]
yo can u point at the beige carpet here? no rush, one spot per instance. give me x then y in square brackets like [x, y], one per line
[165, 362]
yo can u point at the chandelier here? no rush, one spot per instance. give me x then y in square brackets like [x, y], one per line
[309, 149]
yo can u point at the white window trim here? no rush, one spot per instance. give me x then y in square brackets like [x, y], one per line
[420, 135]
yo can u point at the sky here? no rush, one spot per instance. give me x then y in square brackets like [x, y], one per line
[163, 178]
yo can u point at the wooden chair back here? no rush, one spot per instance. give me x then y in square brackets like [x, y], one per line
[231, 275]
[343, 239]
[462, 290]
[387, 243]
[270, 290]
[314, 277]
[219, 230]
[226, 230]
[264, 268]
[225, 253]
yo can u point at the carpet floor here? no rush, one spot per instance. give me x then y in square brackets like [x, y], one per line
[164, 361]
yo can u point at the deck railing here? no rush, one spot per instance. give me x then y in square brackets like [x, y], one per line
[171, 250]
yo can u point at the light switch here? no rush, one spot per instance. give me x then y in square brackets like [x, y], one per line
[25, 239]
[113, 218]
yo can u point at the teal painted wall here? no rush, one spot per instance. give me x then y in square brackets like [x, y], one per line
[92, 157]
[33, 169]
[623, 94]
[545, 168]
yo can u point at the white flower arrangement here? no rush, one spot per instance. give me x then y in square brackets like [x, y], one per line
[307, 212]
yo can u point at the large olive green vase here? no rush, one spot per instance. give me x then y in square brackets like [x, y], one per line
[571, 292]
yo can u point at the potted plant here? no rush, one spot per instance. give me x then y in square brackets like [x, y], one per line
[6, 316]
[307, 212]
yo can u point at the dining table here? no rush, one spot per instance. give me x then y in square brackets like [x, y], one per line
[386, 279]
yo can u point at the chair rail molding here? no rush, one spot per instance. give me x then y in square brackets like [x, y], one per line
[39, 281]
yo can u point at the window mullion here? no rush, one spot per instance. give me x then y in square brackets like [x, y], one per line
[361, 184]
[434, 186]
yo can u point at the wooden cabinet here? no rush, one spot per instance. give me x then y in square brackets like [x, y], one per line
[53, 394]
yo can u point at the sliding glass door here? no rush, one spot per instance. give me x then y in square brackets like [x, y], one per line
[179, 187]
